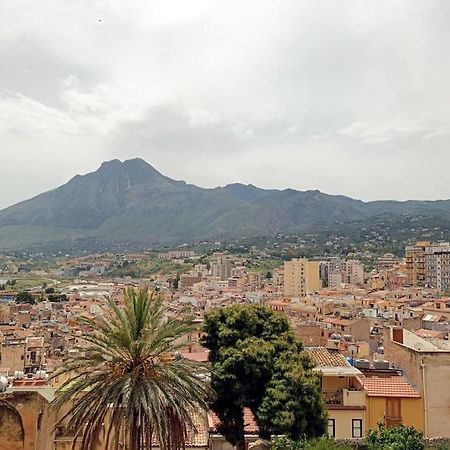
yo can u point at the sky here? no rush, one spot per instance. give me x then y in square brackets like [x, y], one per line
[346, 96]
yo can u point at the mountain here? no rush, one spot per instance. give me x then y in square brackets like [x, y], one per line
[131, 202]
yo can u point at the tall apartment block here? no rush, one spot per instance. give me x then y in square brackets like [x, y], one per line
[221, 266]
[354, 272]
[415, 263]
[437, 266]
[301, 277]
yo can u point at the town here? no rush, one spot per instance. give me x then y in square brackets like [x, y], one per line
[379, 338]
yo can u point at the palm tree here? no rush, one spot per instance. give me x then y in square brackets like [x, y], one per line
[129, 383]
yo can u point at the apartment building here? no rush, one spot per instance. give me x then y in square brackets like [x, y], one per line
[354, 272]
[437, 266]
[221, 266]
[415, 263]
[426, 365]
[301, 277]
[343, 394]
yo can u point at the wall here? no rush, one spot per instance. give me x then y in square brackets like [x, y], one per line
[434, 369]
[13, 357]
[343, 424]
[25, 422]
[412, 411]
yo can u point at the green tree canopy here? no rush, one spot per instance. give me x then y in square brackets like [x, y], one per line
[25, 297]
[258, 363]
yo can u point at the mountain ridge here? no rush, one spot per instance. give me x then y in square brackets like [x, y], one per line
[131, 201]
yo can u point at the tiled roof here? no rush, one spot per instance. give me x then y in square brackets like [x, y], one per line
[197, 436]
[250, 425]
[326, 358]
[388, 386]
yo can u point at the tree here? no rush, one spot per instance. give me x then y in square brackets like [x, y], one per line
[57, 298]
[396, 438]
[258, 363]
[293, 402]
[25, 297]
[130, 377]
[50, 290]
[176, 282]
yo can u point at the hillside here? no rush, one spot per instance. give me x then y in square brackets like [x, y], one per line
[131, 202]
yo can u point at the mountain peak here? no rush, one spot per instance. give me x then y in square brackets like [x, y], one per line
[135, 168]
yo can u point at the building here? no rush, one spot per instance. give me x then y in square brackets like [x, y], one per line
[391, 400]
[354, 272]
[335, 280]
[344, 397]
[437, 266]
[426, 365]
[221, 266]
[415, 263]
[301, 277]
[387, 261]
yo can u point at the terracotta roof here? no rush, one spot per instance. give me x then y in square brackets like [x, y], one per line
[250, 425]
[326, 358]
[197, 436]
[388, 386]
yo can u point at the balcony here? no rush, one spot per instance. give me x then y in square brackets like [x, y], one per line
[345, 397]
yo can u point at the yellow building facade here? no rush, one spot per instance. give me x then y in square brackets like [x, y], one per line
[301, 277]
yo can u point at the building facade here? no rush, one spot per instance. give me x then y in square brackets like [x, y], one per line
[301, 277]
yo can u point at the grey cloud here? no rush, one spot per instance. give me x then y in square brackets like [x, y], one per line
[36, 72]
[347, 97]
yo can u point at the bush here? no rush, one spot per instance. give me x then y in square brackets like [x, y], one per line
[397, 438]
[284, 443]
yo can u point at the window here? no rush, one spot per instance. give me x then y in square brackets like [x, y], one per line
[357, 428]
[332, 427]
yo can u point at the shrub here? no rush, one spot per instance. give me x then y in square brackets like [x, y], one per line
[396, 438]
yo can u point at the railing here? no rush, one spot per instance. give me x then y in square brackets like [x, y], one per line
[345, 397]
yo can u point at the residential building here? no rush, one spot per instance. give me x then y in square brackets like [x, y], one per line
[415, 263]
[391, 400]
[343, 393]
[354, 272]
[437, 266]
[221, 266]
[301, 277]
[426, 365]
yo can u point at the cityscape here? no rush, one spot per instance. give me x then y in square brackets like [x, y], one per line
[378, 338]
[224, 225]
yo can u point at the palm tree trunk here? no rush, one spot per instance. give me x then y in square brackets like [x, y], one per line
[135, 441]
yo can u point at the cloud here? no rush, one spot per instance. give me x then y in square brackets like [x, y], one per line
[291, 93]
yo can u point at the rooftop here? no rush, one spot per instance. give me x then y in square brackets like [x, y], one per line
[324, 357]
[393, 385]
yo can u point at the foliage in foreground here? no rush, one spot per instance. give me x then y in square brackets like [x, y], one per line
[284, 443]
[396, 438]
[258, 363]
[126, 381]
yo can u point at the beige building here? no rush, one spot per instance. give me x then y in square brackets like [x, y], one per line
[415, 263]
[301, 277]
[221, 266]
[354, 272]
[344, 397]
[426, 365]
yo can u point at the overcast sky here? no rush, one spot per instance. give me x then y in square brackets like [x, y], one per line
[348, 97]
